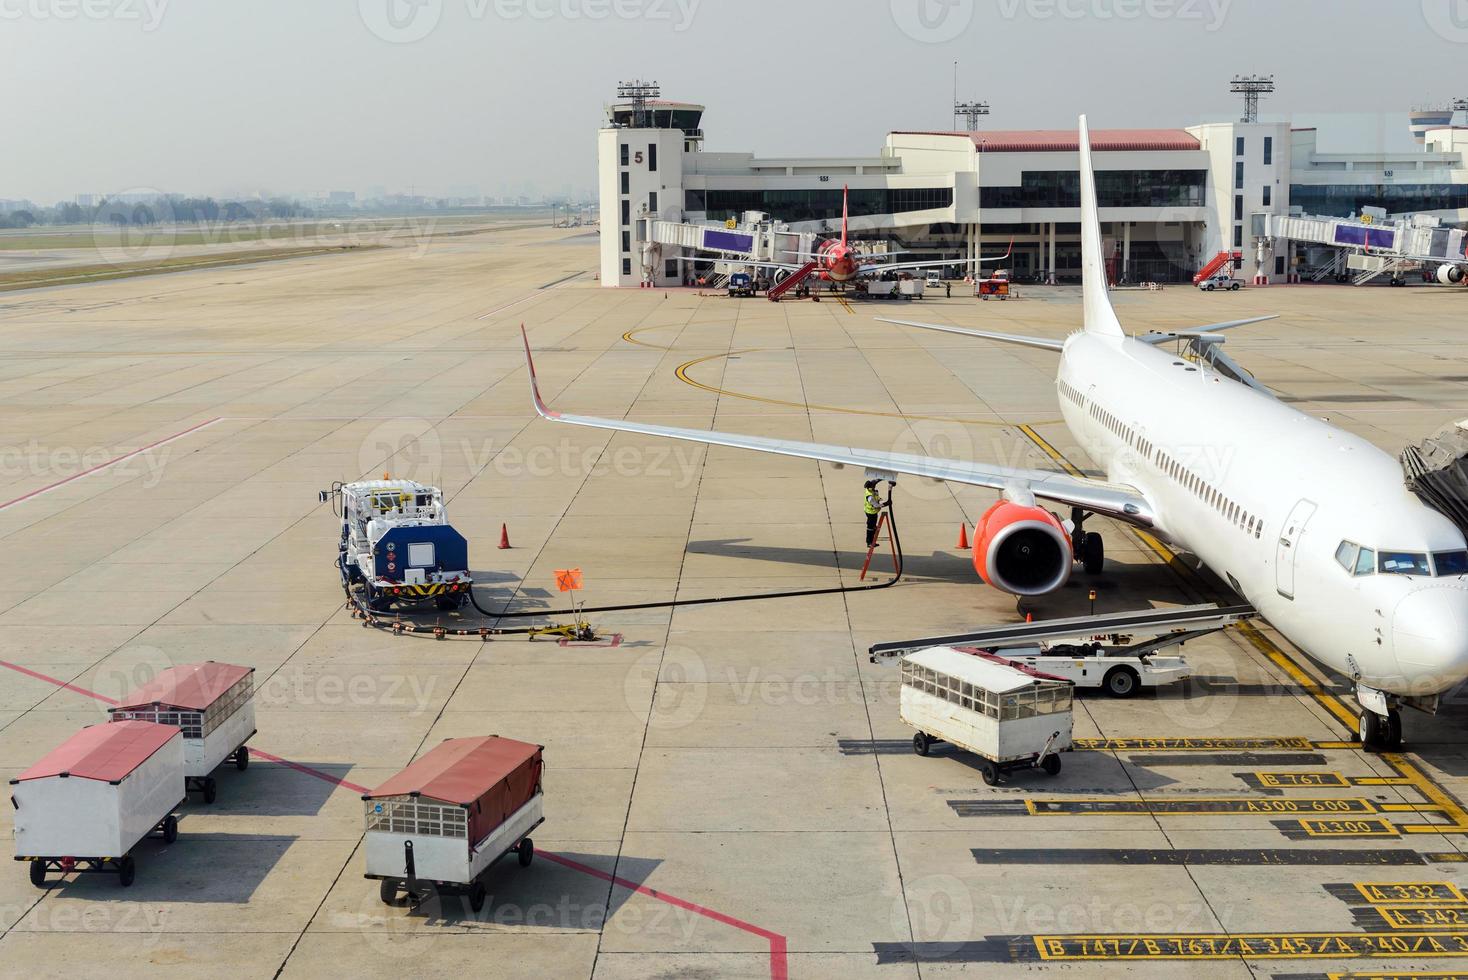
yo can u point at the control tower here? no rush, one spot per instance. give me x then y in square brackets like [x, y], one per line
[640, 155]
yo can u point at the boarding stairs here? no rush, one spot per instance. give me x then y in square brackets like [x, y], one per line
[791, 281]
[1331, 269]
[1215, 264]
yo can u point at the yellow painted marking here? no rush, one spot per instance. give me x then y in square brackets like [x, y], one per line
[1348, 828]
[1380, 781]
[845, 302]
[1397, 975]
[1221, 744]
[1410, 892]
[1283, 780]
[1268, 806]
[1271, 946]
[1413, 775]
[1424, 916]
[642, 343]
[683, 376]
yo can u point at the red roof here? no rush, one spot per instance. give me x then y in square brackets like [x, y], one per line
[103, 752]
[1068, 140]
[459, 770]
[192, 687]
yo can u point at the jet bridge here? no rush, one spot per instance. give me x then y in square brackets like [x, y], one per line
[754, 239]
[1373, 246]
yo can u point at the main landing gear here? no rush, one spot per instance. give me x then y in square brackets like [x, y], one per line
[1087, 546]
[1379, 725]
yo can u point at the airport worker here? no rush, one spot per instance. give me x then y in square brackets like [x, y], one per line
[948, 288]
[872, 504]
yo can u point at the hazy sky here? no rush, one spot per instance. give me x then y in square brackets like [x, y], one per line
[212, 96]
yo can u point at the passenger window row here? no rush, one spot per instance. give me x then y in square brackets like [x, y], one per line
[1123, 431]
[1210, 495]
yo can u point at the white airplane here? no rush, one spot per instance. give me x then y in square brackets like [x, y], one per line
[1311, 524]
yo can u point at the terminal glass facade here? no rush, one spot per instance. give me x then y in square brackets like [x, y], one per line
[1114, 189]
[1343, 200]
[814, 205]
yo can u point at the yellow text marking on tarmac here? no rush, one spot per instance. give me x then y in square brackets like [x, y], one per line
[1438, 799]
[1410, 893]
[1267, 946]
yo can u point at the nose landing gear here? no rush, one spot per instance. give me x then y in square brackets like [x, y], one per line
[1379, 725]
[1380, 733]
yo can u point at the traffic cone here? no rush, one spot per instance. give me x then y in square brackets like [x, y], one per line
[1029, 617]
[963, 535]
[504, 537]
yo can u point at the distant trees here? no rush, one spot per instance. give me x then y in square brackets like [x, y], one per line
[161, 209]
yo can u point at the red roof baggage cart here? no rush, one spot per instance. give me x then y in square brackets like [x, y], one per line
[87, 804]
[212, 704]
[441, 822]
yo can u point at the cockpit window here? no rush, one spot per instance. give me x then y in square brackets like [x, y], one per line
[1451, 562]
[1346, 555]
[1365, 562]
[1403, 563]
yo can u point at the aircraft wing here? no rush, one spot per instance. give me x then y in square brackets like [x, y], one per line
[1099, 497]
[1045, 343]
[1163, 336]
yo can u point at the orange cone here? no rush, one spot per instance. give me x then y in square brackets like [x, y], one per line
[504, 537]
[963, 535]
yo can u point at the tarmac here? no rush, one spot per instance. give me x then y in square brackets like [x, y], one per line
[729, 790]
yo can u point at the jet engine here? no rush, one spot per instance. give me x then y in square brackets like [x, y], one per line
[1450, 274]
[1023, 550]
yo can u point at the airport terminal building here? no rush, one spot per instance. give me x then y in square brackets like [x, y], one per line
[1170, 199]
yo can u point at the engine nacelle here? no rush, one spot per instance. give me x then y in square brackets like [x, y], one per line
[1022, 550]
[1450, 275]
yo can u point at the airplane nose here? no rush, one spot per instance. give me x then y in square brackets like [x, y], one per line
[1430, 632]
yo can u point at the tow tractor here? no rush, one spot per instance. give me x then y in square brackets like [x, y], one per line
[397, 546]
[1092, 651]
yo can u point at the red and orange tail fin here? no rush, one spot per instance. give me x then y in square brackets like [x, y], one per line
[845, 190]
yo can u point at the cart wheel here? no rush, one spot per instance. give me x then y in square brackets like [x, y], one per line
[126, 871]
[211, 790]
[921, 743]
[1121, 682]
[170, 829]
[1051, 765]
[242, 758]
[387, 890]
[989, 773]
[477, 895]
[38, 872]
[526, 852]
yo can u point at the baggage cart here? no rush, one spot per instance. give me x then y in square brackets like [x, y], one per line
[440, 824]
[1009, 715]
[85, 806]
[212, 704]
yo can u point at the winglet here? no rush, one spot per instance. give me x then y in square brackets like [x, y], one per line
[540, 406]
[1099, 317]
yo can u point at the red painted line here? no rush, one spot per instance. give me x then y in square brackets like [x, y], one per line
[779, 966]
[59, 683]
[111, 462]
